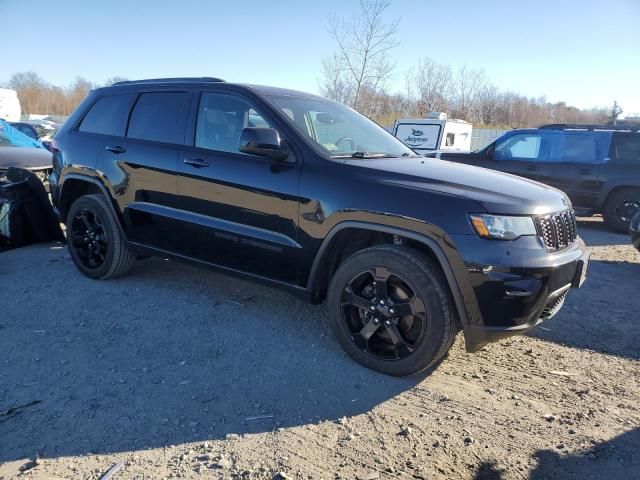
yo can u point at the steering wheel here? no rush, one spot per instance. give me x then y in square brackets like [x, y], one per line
[346, 139]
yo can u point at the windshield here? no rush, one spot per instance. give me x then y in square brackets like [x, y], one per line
[340, 131]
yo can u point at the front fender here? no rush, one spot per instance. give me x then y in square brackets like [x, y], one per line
[431, 237]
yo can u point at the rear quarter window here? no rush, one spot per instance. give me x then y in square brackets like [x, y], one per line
[160, 117]
[107, 116]
[627, 147]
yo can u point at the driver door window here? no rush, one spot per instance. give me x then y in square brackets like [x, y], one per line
[525, 146]
[221, 119]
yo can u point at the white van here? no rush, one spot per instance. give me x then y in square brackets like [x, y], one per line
[9, 105]
[435, 132]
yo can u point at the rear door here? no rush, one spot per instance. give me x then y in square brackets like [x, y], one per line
[142, 167]
[237, 210]
[570, 161]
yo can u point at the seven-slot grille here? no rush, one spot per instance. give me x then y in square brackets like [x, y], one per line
[558, 230]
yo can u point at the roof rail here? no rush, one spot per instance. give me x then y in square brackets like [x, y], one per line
[567, 126]
[170, 80]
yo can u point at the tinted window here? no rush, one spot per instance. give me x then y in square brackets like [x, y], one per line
[575, 147]
[627, 147]
[221, 119]
[160, 117]
[525, 146]
[107, 116]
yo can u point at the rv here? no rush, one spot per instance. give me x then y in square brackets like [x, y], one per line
[424, 135]
[9, 105]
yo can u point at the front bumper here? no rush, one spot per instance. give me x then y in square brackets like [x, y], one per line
[517, 284]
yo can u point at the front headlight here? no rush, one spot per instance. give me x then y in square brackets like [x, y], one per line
[502, 227]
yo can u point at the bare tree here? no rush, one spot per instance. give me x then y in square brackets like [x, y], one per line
[430, 86]
[362, 60]
[467, 84]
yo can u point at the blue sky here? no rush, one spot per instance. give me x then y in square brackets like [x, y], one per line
[584, 52]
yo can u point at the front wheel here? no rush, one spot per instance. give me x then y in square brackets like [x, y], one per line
[96, 244]
[390, 309]
[620, 208]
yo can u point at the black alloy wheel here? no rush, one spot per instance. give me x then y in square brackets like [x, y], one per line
[620, 207]
[96, 241]
[89, 239]
[627, 209]
[383, 313]
[391, 310]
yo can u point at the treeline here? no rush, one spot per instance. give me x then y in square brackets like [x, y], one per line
[40, 97]
[361, 69]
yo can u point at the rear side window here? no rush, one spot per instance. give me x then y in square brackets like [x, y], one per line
[575, 147]
[627, 147]
[160, 117]
[107, 116]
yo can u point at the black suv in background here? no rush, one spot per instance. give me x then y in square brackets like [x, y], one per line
[303, 193]
[597, 166]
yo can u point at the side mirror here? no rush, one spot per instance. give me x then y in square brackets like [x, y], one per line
[263, 142]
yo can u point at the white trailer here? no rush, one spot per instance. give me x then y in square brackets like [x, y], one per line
[9, 105]
[434, 133]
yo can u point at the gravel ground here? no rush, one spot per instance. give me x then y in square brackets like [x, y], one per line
[178, 372]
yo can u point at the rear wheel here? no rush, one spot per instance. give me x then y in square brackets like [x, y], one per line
[620, 208]
[96, 244]
[390, 310]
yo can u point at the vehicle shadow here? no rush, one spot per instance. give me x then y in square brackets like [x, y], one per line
[603, 314]
[595, 233]
[167, 355]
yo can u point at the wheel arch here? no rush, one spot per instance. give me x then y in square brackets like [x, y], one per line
[76, 185]
[338, 244]
[613, 187]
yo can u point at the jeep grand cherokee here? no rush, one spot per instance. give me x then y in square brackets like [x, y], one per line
[304, 193]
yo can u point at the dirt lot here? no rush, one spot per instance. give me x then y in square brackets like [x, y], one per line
[178, 372]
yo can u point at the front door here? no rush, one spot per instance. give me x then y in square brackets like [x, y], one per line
[240, 210]
[517, 154]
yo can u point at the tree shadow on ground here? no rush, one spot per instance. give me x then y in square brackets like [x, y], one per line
[167, 355]
[618, 458]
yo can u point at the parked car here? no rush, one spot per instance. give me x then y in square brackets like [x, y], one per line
[303, 193]
[26, 128]
[19, 150]
[598, 166]
[634, 230]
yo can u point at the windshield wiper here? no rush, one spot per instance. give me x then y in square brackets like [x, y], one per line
[364, 155]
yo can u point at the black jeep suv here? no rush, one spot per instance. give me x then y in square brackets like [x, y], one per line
[304, 193]
[598, 166]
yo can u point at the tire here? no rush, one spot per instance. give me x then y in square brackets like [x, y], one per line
[620, 207]
[96, 243]
[409, 272]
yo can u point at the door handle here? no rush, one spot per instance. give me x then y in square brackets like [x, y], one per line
[532, 168]
[585, 171]
[115, 149]
[196, 162]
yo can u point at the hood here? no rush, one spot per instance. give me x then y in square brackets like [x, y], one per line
[25, 157]
[496, 192]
